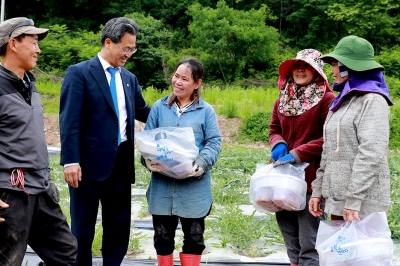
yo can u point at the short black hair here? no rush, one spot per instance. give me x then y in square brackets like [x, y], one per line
[116, 28]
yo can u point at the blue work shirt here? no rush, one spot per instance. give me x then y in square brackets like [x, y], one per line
[189, 197]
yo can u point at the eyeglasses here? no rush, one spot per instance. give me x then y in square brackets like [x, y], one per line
[28, 22]
[127, 51]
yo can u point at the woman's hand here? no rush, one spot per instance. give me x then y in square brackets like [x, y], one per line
[314, 207]
[350, 215]
[197, 171]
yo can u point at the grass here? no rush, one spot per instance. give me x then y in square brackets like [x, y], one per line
[246, 234]
[231, 101]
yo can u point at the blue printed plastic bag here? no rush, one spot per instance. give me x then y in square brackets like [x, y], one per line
[359, 243]
[174, 148]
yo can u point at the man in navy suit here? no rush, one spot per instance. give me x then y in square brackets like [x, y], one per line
[97, 136]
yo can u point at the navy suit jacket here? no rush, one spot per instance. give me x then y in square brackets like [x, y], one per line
[88, 121]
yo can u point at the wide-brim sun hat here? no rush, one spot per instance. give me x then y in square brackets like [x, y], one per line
[15, 27]
[355, 53]
[310, 56]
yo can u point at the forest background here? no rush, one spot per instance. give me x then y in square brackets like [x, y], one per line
[241, 44]
[237, 40]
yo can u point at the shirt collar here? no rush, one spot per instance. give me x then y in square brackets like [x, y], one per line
[106, 65]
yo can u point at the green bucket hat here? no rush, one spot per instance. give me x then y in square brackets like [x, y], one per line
[355, 53]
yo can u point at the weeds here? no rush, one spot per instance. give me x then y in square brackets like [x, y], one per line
[243, 232]
[394, 211]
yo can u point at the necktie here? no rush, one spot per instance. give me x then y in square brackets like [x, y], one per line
[113, 89]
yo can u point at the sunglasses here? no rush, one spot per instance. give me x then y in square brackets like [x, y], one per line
[28, 22]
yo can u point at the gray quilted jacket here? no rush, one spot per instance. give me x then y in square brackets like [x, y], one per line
[354, 172]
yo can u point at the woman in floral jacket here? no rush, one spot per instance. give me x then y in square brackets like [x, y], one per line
[295, 136]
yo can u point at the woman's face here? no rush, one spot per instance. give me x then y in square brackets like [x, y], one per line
[336, 73]
[303, 73]
[183, 84]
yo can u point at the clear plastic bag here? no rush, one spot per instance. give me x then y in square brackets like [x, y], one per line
[281, 188]
[173, 148]
[359, 243]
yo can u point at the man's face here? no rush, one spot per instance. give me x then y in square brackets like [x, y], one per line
[27, 51]
[116, 56]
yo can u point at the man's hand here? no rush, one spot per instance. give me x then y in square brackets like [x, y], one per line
[72, 175]
[350, 215]
[3, 205]
[314, 207]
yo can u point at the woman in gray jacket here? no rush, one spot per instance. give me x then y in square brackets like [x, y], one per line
[354, 174]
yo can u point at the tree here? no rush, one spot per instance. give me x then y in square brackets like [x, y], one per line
[75, 14]
[149, 63]
[375, 20]
[308, 26]
[238, 42]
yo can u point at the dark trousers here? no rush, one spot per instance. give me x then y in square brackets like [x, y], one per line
[164, 234]
[299, 230]
[36, 220]
[114, 193]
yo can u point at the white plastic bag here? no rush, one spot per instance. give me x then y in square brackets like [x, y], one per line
[359, 243]
[174, 148]
[281, 188]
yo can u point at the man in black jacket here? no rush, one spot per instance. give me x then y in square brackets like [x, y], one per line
[32, 214]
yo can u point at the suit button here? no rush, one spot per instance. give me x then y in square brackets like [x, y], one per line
[180, 111]
[177, 125]
[115, 141]
[116, 123]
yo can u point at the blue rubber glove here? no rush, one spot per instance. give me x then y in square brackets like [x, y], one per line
[288, 158]
[279, 151]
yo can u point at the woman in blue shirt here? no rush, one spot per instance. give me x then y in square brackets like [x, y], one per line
[187, 200]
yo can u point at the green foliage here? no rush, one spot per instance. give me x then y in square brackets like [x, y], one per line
[390, 59]
[377, 21]
[50, 95]
[98, 235]
[231, 175]
[394, 141]
[48, 87]
[57, 175]
[229, 110]
[237, 41]
[238, 102]
[150, 63]
[151, 95]
[51, 104]
[256, 127]
[232, 101]
[394, 87]
[134, 241]
[62, 48]
[394, 211]
[306, 24]
[245, 233]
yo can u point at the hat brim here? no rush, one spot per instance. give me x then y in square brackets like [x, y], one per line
[31, 30]
[285, 68]
[353, 64]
